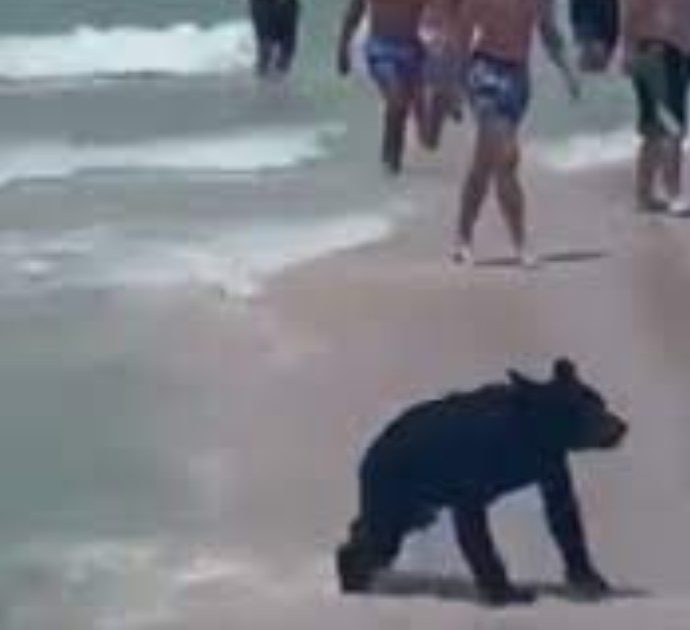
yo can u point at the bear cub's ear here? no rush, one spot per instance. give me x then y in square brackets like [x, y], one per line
[564, 370]
[520, 380]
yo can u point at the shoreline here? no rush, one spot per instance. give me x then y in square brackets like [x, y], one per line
[254, 413]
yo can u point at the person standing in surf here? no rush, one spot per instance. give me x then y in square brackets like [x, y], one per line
[276, 26]
[656, 39]
[396, 60]
[495, 39]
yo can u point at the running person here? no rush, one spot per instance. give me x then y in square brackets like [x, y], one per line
[496, 36]
[656, 36]
[276, 24]
[396, 60]
[441, 92]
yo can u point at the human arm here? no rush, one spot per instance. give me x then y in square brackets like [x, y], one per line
[351, 21]
[554, 44]
[462, 21]
[634, 14]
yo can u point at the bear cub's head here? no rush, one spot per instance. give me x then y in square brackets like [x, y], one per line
[567, 412]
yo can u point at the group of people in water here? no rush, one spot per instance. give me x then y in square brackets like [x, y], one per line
[429, 58]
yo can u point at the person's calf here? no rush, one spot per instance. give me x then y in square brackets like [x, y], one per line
[393, 144]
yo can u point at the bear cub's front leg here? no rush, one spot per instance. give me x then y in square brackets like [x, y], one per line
[587, 583]
[475, 541]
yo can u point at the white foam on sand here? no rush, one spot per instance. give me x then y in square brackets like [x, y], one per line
[234, 260]
[182, 49]
[142, 583]
[587, 151]
[128, 584]
[268, 148]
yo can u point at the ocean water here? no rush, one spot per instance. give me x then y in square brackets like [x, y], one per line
[139, 159]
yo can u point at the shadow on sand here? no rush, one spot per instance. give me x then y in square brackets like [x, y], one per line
[399, 584]
[547, 259]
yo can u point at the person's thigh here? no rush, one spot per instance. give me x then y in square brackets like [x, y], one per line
[262, 19]
[287, 19]
[647, 118]
[678, 79]
[659, 84]
[491, 143]
[394, 88]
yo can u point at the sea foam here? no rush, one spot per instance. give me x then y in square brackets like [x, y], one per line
[586, 151]
[269, 148]
[181, 49]
[233, 261]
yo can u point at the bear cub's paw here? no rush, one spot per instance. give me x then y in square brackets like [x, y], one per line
[508, 595]
[588, 584]
[355, 573]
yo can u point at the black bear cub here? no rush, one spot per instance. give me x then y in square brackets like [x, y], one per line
[463, 452]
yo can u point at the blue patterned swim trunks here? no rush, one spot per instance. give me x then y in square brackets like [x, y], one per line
[498, 89]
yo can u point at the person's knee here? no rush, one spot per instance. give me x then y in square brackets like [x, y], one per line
[398, 100]
[481, 171]
[509, 160]
[493, 146]
[485, 157]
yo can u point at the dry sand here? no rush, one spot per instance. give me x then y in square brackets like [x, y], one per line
[331, 351]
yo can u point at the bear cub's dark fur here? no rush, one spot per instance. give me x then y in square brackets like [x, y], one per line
[463, 452]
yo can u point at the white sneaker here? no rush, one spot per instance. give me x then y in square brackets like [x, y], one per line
[463, 255]
[678, 206]
[528, 259]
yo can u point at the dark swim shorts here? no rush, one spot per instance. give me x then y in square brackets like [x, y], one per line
[595, 21]
[275, 21]
[394, 61]
[498, 90]
[661, 78]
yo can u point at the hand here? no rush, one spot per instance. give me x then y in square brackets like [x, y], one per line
[629, 60]
[594, 57]
[588, 584]
[344, 64]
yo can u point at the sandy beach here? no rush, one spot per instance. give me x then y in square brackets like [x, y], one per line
[211, 302]
[282, 392]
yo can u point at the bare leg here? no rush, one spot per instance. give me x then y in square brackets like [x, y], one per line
[396, 110]
[286, 53]
[430, 112]
[420, 111]
[672, 173]
[288, 41]
[476, 185]
[673, 152]
[649, 162]
[263, 57]
[511, 196]
[438, 112]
